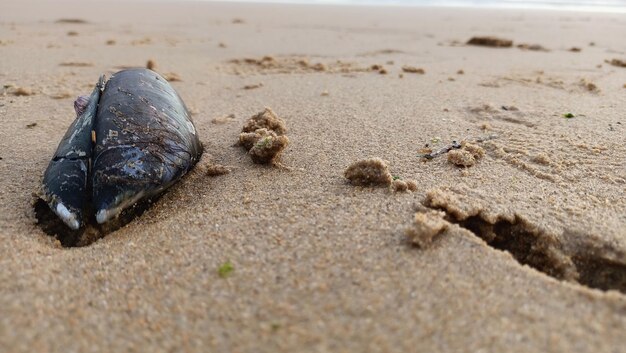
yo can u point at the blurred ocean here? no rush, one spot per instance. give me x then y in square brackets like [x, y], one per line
[616, 6]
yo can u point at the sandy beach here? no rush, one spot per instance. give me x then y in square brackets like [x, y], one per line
[516, 243]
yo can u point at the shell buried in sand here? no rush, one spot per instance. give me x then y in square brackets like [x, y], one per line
[133, 138]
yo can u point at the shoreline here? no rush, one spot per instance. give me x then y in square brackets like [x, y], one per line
[616, 9]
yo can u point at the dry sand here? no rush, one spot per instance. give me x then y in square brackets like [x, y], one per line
[267, 259]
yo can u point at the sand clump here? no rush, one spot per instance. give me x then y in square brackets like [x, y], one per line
[253, 86]
[475, 150]
[266, 119]
[466, 156]
[618, 62]
[413, 70]
[375, 172]
[461, 158]
[266, 145]
[22, 91]
[151, 64]
[489, 41]
[589, 86]
[379, 68]
[263, 135]
[217, 169]
[399, 185]
[425, 227]
[531, 47]
[367, 172]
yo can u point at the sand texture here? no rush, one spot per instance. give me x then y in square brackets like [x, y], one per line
[521, 249]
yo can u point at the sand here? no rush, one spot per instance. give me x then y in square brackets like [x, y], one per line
[269, 259]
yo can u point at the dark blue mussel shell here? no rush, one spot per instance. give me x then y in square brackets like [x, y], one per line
[134, 140]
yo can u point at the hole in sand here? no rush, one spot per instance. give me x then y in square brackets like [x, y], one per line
[86, 235]
[594, 265]
[528, 248]
[600, 273]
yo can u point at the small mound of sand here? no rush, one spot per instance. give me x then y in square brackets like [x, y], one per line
[467, 155]
[532, 47]
[263, 136]
[425, 227]
[461, 158]
[217, 169]
[490, 42]
[476, 151]
[377, 67]
[266, 119]
[589, 86]
[372, 171]
[399, 185]
[22, 91]
[618, 63]
[151, 64]
[268, 148]
[263, 145]
[253, 86]
[413, 70]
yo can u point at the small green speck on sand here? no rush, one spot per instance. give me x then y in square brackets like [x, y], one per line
[225, 270]
[568, 115]
[263, 142]
[395, 177]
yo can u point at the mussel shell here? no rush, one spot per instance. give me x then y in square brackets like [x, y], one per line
[134, 140]
[145, 141]
[66, 180]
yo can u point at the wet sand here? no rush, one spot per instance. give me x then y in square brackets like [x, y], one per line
[528, 247]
